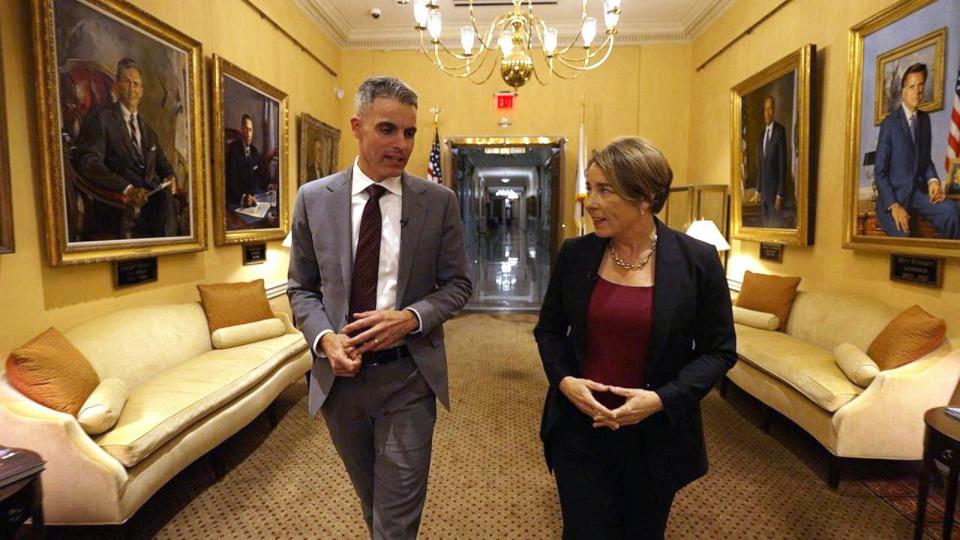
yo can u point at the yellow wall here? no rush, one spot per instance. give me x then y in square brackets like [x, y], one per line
[33, 295]
[640, 90]
[825, 265]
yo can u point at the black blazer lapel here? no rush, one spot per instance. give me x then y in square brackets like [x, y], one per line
[585, 277]
[668, 280]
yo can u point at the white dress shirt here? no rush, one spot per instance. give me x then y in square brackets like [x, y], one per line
[389, 268]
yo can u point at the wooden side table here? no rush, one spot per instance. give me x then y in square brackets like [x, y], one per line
[21, 500]
[941, 442]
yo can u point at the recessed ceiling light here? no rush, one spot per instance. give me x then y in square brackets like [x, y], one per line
[505, 180]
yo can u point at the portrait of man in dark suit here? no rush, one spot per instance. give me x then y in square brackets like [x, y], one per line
[772, 168]
[315, 168]
[906, 179]
[117, 151]
[244, 174]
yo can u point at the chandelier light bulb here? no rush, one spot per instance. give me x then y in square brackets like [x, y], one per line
[467, 37]
[506, 42]
[589, 30]
[550, 41]
[611, 14]
[434, 24]
[420, 12]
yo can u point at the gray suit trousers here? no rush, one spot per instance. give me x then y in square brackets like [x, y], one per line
[381, 423]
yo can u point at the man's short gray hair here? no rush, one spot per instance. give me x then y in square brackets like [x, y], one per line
[383, 87]
[125, 64]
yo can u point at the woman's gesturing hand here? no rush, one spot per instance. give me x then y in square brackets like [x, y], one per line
[580, 393]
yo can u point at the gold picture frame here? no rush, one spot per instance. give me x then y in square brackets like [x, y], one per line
[89, 214]
[868, 223]
[677, 211]
[778, 212]
[317, 136]
[7, 244]
[931, 47]
[258, 169]
[952, 184]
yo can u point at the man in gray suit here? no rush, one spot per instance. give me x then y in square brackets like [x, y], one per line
[376, 266]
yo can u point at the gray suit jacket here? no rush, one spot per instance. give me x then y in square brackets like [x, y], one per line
[432, 275]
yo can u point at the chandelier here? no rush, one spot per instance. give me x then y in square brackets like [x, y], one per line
[510, 41]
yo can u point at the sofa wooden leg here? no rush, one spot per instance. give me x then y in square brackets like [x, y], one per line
[218, 462]
[273, 414]
[833, 474]
[767, 419]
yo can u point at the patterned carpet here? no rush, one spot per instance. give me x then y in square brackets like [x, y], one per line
[488, 478]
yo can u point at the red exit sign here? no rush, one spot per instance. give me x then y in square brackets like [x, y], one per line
[505, 100]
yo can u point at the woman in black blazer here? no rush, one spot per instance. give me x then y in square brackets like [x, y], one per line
[636, 327]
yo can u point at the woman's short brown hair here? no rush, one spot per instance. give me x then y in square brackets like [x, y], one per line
[636, 170]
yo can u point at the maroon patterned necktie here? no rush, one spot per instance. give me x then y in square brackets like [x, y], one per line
[366, 263]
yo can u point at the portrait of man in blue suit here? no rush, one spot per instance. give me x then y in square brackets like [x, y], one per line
[907, 181]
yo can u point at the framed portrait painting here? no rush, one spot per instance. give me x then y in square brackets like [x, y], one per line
[319, 149]
[770, 145]
[6, 196]
[250, 157]
[121, 144]
[901, 190]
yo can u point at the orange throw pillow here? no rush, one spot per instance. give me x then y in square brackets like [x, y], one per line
[910, 335]
[230, 304]
[769, 294]
[49, 370]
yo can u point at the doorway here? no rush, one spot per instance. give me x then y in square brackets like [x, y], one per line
[509, 190]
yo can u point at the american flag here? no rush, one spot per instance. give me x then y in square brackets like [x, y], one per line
[433, 167]
[953, 135]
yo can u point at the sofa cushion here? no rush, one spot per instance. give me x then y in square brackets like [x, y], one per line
[769, 294]
[855, 364]
[162, 407]
[912, 334]
[241, 334]
[828, 319]
[101, 410]
[807, 368]
[49, 370]
[230, 304]
[756, 319]
[157, 337]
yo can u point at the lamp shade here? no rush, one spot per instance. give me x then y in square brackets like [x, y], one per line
[707, 231]
[288, 241]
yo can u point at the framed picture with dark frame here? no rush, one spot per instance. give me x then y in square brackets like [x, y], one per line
[901, 189]
[770, 146]
[250, 178]
[6, 195]
[121, 132]
[319, 149]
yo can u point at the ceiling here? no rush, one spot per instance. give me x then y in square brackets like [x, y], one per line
[349, 23]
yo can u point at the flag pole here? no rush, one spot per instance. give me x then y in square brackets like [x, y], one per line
[581, 195]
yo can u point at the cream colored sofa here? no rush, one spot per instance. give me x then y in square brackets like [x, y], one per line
[185, 399]
[795, 374]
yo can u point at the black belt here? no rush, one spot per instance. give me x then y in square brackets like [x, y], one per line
[378, 358]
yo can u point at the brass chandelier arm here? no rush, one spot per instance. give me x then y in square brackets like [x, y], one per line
[576, 36]
[584, 63]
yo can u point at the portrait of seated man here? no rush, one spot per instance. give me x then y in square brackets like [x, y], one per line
[117, 151]
[906, 178]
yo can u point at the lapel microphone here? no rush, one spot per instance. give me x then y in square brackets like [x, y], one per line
[403, 222]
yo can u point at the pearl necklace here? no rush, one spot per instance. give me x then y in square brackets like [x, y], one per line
[643, 262]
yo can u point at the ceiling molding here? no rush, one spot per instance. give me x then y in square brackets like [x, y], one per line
[703, 13]
[326, 16]
[334, 25]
